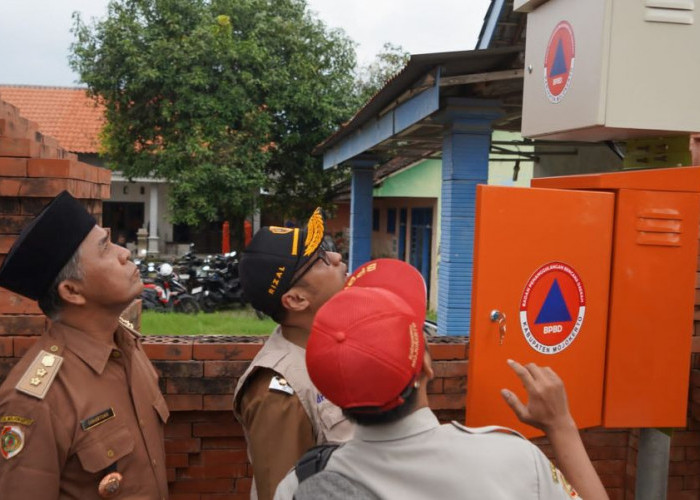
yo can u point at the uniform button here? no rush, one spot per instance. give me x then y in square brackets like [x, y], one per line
[116, 354]
[154, 462]
[142, 423]
[53, 348]
[110, 453]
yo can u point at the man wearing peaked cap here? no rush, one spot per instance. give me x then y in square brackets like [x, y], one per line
[288, 274]
[81, 415]
[367, 354]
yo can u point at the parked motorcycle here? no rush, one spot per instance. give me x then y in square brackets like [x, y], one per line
[165, 293]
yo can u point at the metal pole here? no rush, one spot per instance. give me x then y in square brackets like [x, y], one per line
[652, 465]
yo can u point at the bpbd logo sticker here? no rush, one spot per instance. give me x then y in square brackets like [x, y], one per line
[552, 308]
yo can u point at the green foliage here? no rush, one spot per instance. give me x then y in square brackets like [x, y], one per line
[220, 97]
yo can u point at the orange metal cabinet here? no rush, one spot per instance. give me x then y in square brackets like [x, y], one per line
[650, 320]
[542, 259]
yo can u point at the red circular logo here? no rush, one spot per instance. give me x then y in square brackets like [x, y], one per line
[552, 308]
[559, 62]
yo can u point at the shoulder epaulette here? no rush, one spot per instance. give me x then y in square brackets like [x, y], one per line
[129, 326]
[487, 429]
[280, 384]
[41, 373]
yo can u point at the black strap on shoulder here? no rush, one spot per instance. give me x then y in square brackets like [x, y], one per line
[314, 460]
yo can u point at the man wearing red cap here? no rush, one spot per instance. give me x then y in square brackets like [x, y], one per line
[288, 274]
[81, 414]
[367, 354]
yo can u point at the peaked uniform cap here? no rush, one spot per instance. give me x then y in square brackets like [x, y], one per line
[45, 246]
[272, 258]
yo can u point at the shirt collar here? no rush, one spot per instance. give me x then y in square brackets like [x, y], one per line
[94, 353]
[419, 421]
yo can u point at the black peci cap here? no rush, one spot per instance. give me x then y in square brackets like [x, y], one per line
[45, 246]
[271, 259]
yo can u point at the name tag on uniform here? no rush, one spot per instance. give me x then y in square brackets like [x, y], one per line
[96, 420]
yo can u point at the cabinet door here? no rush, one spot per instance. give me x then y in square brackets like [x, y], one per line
[540, 294]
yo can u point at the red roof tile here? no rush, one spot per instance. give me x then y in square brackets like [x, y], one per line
[65, 113]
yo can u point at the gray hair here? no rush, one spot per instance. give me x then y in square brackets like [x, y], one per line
[51, 303]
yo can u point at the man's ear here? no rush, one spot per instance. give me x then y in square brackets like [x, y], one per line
[295, 300]
[428, 365]
[70, 292]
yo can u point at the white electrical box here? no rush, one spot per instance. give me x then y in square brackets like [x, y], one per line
[610, 69]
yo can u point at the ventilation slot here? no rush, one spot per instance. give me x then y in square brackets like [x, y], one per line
[669, 11]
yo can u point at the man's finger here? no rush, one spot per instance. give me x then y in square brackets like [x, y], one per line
[515, 404]
[522, 373]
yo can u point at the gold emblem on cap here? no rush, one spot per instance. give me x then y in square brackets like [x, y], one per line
[314, 232]
[48, 360]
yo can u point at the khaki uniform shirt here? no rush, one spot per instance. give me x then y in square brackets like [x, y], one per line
[282, 413]
[102, 411]
[417, 458]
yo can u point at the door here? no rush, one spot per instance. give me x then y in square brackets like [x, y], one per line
[541, 260]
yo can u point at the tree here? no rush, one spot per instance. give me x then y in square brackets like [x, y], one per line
[221, 97]
[385, 66]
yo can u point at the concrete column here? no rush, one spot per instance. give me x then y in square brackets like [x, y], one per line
[153, 220]
[361, 215]
[465, 162]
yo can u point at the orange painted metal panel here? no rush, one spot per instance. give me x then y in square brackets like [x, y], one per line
[658, 179]
[525, 241]
[651, 308]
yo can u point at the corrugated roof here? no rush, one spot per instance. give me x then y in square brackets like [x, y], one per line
[65, 113]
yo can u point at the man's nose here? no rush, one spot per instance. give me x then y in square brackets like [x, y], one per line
[335, 258]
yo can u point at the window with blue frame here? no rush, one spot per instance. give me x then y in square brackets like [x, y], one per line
[391, 221]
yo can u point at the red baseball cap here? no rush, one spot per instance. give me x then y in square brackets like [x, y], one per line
[366, 344]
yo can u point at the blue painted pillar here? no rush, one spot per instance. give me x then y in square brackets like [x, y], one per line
[465, 159]
[361, 215]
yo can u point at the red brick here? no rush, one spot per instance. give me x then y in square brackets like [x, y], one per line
[218, 402]
[178, 430]
[243, 484]
[230, 351]
[683, 468]
[692, 453]
[604, 438]
[216, 430]
[455, 385]
[13, 167]
[16, 147]
[695, 343]
[683, 495]
[450, 368]
[440, 351]
[607, 452]
[182, 402]
[21, 345]
[182, 445]
[11, 303]
[12, 224]
[183, 496]
[211, 457]
[675, 483]
[610, 467]
[436, 386]
[225, 368]
[177, 460]
[6, 347]
[691, 482]
[612, 480]
[10, 205]
[225, 443]
[677, 454]
[203, 486]
[683, 438]
[226, 496]
[172, 477]
[221, 470]
[615, 493]
[179, 351]
[22, 324]
[6, 242]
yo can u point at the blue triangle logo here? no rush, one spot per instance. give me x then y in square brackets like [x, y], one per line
[554, 309]
[559, 66]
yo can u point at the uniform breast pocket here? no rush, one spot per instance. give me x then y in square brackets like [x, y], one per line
[105, 448]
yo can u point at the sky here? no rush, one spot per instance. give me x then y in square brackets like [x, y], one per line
[35, 34]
